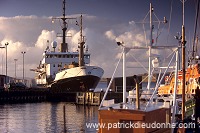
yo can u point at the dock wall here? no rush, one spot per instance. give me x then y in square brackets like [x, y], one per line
[44, 95]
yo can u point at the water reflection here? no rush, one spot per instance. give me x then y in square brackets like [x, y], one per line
[46, 118]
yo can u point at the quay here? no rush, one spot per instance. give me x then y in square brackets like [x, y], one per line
[45, 95]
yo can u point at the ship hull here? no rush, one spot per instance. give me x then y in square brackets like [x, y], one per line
[78, 79]
[76, 84]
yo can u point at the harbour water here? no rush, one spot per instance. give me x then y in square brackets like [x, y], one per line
[46, 117]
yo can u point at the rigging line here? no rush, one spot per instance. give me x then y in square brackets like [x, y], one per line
[146, 16]
[139, 63]
[160, 33]
[158, 26]
[197, 45]
[144, 28]
[170, 18]
[105, 94]
[171, 53]
[195, 28]
[198, 19]
[156, 17]
[145, 34]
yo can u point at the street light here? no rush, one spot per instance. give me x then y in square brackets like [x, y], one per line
[15, 68]
[23, 52]
[6, 44]
[2, 58]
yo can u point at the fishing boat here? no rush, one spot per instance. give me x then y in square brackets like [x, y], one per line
[191, 74]
[68, 71]
[141, 107]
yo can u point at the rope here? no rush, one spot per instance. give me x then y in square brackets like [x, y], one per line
[144, 28]
[110, 82]
[170, 18]
[158, 27]
[195, 28]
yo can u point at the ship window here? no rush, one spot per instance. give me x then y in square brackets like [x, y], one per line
[87, 56]
[59, 56]
[54, 65]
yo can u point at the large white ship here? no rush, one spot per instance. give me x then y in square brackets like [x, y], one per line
[68, 71]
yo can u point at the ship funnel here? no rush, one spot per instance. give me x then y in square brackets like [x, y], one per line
[64, 47]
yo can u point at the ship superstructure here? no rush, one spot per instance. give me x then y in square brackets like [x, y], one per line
[68, 71]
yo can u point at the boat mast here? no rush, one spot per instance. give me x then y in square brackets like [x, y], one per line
[124, 74]
[64, 46]
[150, 45]
[81, 44]
[183, 66]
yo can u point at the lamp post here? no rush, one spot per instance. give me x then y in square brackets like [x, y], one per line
[15, 68]
[6, 44]
[2, 58]
[23, 52]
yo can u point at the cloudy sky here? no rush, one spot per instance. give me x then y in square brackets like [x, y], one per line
[26, 25]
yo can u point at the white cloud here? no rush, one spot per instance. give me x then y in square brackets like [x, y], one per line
[110, 35]
[30, 34]
[45, 37]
